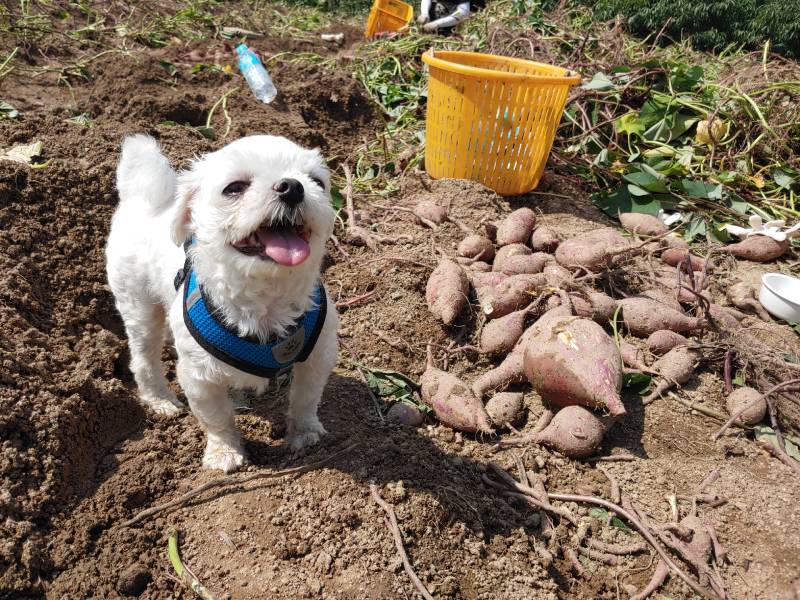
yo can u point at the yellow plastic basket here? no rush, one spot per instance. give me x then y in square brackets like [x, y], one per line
[492, 119]
[388, 15]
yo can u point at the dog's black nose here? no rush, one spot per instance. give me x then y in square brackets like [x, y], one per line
[290, 191]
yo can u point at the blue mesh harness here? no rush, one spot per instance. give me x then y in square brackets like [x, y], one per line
[247, 353]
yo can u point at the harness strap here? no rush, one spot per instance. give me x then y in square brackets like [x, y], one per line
[247, 353]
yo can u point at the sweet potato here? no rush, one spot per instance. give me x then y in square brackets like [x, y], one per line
[512, 294]
[404, 413]
[745, 297]
[673, 241]
[428, 210]
[485, 283]
[724, 316]
[674, 256]
[480, 266]
[676, 367]
[632, 356]
[758, 248]
[556, 275]
[476, 246]
[662, 341]
[452, 401]
[511, 369]
[668, 299]
[642, 316]
[446, 292]
[544, 239]
[574, 432]
[500, 335]
[592, 250]
[642, 224]
[745, 396]
[505, 409]
[525, 263]
[507, 252]
[593, 305]
[516, 228]
[570, 360]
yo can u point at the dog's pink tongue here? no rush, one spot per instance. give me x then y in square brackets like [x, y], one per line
[284, 246]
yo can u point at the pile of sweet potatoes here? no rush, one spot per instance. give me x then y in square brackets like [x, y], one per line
[542, 314]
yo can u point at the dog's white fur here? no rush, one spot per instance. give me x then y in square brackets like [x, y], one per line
[157, 211]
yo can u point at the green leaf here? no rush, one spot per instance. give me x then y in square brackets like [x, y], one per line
[607, 517]
[638, 383]
[718, 233]
[600, 81]
[738, 204]
[7, 111]
[697, 227]
[621, 200]
[206, 132]
[783, 179]
[337, 200]
[629, 124]
[171, 69]
[767, 435]
[740, 379]
[650, 180]
[700, 189]
[635, 190]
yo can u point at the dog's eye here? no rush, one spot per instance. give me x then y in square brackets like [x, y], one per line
[235, 188]
[318, 181]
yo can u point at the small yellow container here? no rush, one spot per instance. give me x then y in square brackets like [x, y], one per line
[492, 119]
[388, 15]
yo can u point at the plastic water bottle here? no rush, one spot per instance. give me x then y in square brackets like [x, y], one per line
[256, 75]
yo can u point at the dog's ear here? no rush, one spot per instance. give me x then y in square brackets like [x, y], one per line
[188, 186]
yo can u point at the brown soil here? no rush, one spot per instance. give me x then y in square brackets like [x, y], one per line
[79, 455]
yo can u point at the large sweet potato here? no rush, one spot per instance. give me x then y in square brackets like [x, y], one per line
[758, 248]
[512, 294]
[573, 361]
[642, 224]
[643, 316]
[506, 252]
[592, 250]
[452, 401]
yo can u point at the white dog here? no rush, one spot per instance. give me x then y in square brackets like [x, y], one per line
[258, 214]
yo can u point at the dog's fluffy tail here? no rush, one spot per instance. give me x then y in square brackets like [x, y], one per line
[144, 173]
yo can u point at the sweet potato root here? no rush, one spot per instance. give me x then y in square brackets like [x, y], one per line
[476, 246]
[510, 370]
[675, 256]
[428, 210]
[404, 413]
[676, 367]
[506, 252]
[516, 228]
[643, 316]
[758, 248]
[668, 299]
[662, 341]
[742, 397]
[452, 401]
[501, 335]
[505, 408]
[593, 305]
[570, 361]
[525, 263]
[574, 432]
[591, 251]
[642, 224]
[544, 239]
[632, 356]
[446, 292]
[512, 294]
[745, 297]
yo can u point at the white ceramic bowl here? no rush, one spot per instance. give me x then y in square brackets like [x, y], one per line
[780, 295]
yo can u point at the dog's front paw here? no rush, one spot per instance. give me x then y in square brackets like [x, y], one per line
[223, 456]
[165, 404]
[305, 434]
